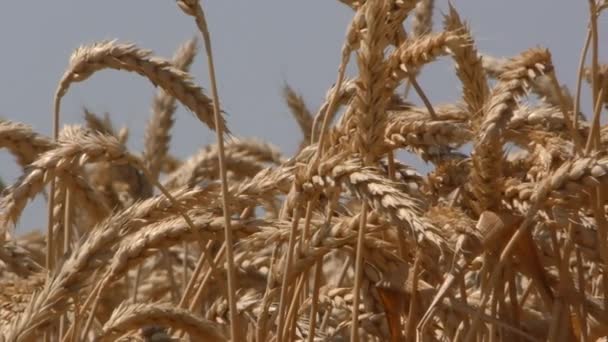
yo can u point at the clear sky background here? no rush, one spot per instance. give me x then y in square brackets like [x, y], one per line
[258, 46]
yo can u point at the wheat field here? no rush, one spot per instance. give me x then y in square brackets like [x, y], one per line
[504, 239]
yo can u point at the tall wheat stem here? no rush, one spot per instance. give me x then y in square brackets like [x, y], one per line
[194, 8]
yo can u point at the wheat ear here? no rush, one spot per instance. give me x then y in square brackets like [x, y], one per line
[22, 142]
[128, 317]
[157, 137]
[87, 60]
[469, 68]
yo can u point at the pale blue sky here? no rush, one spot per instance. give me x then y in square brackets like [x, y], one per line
[258, 45]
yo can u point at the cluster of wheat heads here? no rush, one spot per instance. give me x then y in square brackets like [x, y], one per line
[503, 240]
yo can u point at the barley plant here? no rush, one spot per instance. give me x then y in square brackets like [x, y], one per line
[504, 239]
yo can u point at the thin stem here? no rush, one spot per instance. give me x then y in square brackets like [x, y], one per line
[354, 332]
[95, 294]
[286, 268]
[594, 48]
[137, 282]
[341, 277]
[332, 105]
[199, 291]
[262, 326]
[167, 264]
[197, 271]
[422, 96]
[579, 79]
[512, 316]
[73, 330]
[67, 221]
[555, 314]
[564, 109]
[67, 228]
[410, 328]
[219, 129]
[50, 245]
[312, 318]
[497, 270]
[185, 265]
[293, 309]
[76, 322]
[594, 135]
[391, 165]
[303, 246]
[581, 287]
[345, 57]
[597, 205]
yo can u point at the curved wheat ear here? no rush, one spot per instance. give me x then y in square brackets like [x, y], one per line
[87, 60]
[571, 175]
[73, 150]
[157, 137]
[97, 124]
[542, 86]
[487, 157]
[162, 235]
[24, 143]
[469, 68]
[527, 66]
[542, 118]
[243, 157]
[340, 235]
[419, 130]
[342, 96]
[264, 185]
[300, 112]
[414, 53]
[129, 317]
[261, 189]
[32, 183]
[18, 259]
[382, 194]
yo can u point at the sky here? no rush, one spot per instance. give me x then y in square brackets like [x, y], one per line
[258, 47]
